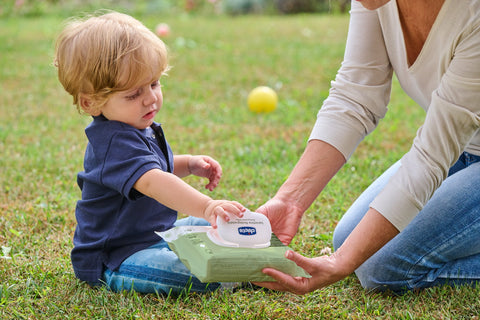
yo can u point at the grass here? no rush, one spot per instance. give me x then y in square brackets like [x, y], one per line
[216, 61]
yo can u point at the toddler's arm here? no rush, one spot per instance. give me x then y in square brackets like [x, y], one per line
[201, 166]
[176, 194]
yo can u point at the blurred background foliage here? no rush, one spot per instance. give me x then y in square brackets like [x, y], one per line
[171, 7]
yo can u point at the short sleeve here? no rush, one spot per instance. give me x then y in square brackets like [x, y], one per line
[127, 157]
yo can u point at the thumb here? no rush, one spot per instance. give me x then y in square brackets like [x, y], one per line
[204, 164]
[301, 261]
[261, 210]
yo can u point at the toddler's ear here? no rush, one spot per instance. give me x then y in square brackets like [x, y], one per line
[87, 104]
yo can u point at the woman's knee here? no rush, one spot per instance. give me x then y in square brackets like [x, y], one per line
[379, 278]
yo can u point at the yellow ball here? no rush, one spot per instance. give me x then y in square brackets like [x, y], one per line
[262, 99]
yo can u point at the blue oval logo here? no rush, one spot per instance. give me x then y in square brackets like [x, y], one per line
[247, 231]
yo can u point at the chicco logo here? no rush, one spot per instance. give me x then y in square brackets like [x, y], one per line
[247, 231]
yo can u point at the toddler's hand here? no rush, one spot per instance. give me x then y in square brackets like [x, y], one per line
[222, 208]
[206, 167]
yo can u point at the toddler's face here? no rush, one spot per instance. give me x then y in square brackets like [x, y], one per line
[137, 106]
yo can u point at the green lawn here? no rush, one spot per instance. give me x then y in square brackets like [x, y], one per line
[216, 61]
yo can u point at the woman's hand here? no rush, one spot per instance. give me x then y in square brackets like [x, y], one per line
[324, 270]
[206, 167]
[371, 234]
[284, 217]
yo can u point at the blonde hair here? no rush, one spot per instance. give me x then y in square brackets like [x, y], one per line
[104, 54]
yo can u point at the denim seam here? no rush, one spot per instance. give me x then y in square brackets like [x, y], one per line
[465, 230]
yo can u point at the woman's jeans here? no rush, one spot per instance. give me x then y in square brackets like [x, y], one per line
[157, 269]
[441, 245]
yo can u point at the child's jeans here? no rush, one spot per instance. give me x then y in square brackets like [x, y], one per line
[440, 246]
[157, 269]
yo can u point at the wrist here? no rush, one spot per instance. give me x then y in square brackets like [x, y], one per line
[292, 197]
[189, 159]
[342, 265]
[209, 207]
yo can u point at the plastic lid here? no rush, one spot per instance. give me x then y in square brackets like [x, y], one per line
[253, 230]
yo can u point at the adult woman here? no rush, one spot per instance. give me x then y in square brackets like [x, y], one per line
[418, 225]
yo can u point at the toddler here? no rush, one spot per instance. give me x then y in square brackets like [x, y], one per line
[111, 65]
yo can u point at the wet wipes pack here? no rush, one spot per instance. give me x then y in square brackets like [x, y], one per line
[237, 250]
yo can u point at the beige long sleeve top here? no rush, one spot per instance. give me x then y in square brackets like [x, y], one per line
[444, 80]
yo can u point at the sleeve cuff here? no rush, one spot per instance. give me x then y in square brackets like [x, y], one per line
[333, 131]
[396, 206]
[128, 187]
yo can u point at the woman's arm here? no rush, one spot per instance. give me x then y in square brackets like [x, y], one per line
[318, 164]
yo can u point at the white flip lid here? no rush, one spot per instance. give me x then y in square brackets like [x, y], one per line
[253, 230]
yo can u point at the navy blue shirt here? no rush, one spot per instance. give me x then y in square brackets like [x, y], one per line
[113, 219]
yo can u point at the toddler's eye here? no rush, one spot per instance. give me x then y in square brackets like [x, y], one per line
[155, 84]
[133, 96]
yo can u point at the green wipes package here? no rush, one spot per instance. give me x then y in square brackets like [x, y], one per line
[211, 262]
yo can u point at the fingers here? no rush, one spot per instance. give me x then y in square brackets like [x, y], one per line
[284, 282]
[207, 167]
[271, 285]
[211, 161]
[240, 207]
[212, 165]
[214, 175]
[211, 185]
[220, 212]
[225, 209]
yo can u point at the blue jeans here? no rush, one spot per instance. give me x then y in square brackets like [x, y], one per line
[157, 269]
[440, 246]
